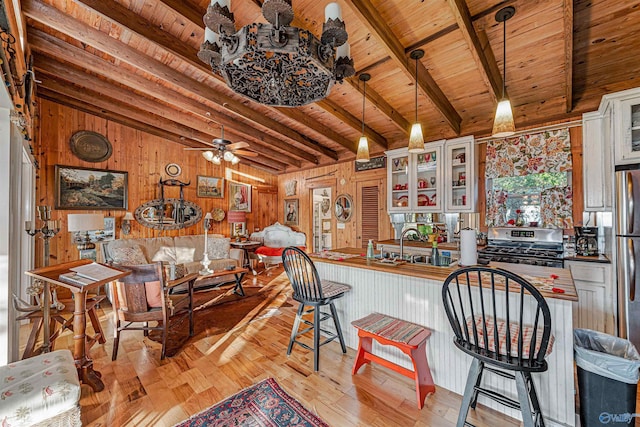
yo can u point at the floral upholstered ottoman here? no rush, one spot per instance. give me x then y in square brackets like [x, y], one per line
[42, 391]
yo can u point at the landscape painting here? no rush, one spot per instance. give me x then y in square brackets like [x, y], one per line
[85, 188]
[209, 186]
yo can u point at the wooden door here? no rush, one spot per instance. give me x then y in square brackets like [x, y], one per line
[265, 207]
[369, 211]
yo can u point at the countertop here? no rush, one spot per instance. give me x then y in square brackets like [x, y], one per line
[564, 280]
[595, 258]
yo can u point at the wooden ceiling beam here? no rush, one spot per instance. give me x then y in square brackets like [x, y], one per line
[160, 126]
[567, 10]
[381, 104]
[49, 45]
[184, 9]
[370, 17]
[486, 64]
[348, 119]
[129, 20]
[60, 71]
[57, 20]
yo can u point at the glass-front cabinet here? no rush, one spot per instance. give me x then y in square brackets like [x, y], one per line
[628, 142]
[415, 179]
[460, 179]
[428, 182]
[398, 199]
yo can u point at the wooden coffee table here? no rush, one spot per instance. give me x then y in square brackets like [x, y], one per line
[237, 272]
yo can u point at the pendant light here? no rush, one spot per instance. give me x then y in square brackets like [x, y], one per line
[503, 124]
[416, 140]
[363, 145]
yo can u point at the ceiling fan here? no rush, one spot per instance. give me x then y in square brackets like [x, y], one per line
[224, 149]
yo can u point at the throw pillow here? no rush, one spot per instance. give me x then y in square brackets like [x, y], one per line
[132, 255]
[153, 291]
[219, 247]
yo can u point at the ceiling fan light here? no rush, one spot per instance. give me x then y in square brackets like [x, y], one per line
[416, 140]
[235, 160]
[208, 155]
[503, 124]
[228, 156]
[216, 160]
[363, 150]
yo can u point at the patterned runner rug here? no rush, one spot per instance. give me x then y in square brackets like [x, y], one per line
[263, 404]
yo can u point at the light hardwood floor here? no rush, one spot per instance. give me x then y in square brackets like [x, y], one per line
[143, 391]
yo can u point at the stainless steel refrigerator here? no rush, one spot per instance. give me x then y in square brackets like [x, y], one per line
[628, 251]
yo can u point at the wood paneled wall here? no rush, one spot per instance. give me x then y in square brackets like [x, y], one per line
[144, 157]
[342, 179]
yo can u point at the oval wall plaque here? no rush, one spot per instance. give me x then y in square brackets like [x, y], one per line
[90, 146]
[168, 214]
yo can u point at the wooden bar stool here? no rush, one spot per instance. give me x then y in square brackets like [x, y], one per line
[406, 336]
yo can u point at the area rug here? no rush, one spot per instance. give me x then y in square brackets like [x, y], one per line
[263, 404]
[227, 313]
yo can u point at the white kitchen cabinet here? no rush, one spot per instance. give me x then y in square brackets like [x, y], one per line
[460, 175]
[595, 308]
[596, 158]
[415, 179]
[625, 119]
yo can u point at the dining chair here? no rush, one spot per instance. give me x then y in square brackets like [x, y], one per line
[143, 297]
[311, 291]
[504, 323]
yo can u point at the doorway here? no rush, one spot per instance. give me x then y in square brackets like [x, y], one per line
[321, 221]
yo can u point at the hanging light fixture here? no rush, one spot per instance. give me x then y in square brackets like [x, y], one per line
[503, 124]
[363, 144]
[274, 63]
[416, 140]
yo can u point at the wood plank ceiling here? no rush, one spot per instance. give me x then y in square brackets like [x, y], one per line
[134, 62]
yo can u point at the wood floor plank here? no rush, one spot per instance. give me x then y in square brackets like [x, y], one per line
[142, 390]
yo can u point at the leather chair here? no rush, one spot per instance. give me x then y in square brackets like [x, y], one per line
[487, 309]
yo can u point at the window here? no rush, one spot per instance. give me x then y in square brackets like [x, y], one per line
[524, 193]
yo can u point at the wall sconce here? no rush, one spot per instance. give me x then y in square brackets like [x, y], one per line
[126, 223]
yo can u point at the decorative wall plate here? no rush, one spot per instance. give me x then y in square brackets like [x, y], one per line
[90, 146]
[217, 214]
[173, 169]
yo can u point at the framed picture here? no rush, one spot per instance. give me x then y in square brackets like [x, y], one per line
[210, 186]
[238, 229]
[86, 188]
[291, 211]
[239, 197]
[109, 232]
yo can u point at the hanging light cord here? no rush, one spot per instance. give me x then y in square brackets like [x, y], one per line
[416, 90]
[364, 98]
[504, 58]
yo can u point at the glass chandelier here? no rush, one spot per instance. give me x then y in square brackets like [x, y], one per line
[276, 64]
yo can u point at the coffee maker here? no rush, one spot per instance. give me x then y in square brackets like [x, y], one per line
[586, 241]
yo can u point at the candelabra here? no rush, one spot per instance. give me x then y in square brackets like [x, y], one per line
[208, 218]
[48, 229]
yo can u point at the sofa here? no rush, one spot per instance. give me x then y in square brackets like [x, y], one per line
[186, 250]
[274, 239]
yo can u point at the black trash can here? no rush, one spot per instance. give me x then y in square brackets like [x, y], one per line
[607, 378]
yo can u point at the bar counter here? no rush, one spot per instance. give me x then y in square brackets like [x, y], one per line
[414, 293]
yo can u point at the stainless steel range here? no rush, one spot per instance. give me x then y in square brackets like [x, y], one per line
[524, 245]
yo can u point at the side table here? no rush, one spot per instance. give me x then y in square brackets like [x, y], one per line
[247, 247]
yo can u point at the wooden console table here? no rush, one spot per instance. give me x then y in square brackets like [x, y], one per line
[51, 275]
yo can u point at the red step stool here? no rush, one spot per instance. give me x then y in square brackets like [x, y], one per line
[408, 337]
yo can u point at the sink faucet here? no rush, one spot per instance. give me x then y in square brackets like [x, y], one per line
[420, 236]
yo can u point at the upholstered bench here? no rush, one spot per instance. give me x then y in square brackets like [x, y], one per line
[274, 239]
[410, 338]
[41, 391]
